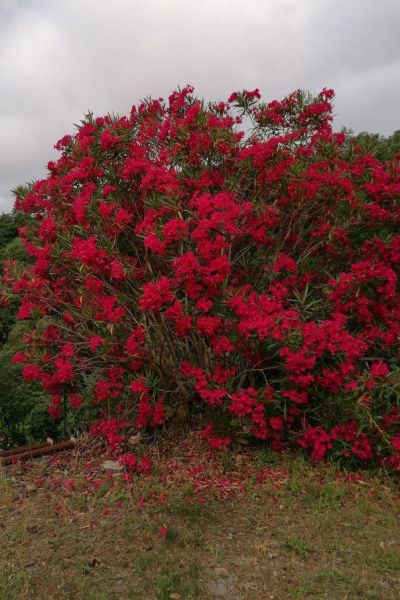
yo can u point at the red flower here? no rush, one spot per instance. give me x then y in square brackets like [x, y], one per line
[208, 325]
[174, 230]
[155, 295]
[396, 442]
[94, 342]
[379, 369]
[164, 531]
[138, 387]
[135, 341]
[19, 357]
[64, 372]
[129, 461]
[108, 139]
[76, 401]
[277, 423]
[145, 465]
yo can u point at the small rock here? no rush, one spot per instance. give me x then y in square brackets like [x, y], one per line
[134, 440]
[111, 465]
[175, 596]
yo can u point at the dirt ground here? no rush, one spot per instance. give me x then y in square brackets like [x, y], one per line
[249, 525]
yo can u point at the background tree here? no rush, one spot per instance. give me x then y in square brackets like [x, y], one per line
[384, 148]
[23, 405]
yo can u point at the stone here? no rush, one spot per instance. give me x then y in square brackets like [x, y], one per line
[111, 465]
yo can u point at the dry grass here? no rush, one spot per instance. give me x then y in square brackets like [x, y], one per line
[6, 494]
[68, 530]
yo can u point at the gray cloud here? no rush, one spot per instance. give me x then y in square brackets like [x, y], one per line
[60, 58]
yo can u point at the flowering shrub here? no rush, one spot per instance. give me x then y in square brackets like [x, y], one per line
[182, 262]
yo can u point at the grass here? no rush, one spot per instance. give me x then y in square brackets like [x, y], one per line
[328, 581]
[384, 560]
[296, 532]
[6, 490]
[299, 546]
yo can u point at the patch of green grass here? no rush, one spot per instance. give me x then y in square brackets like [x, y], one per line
[185, 583]
[6, 489]
[268, 456]
[11, 585]
[215, 551]
[384, 560]
[143, 561]
[62, 537]
[187, 490]
[17, 535]
[299, 473]
[190, 587]
[166, 585]
[92, 584]
[192, 512]
[331, 494]
[152, 486]
[340, 550]
[328, 584]
[172, 536]
[131, 529]
[228, 464]
[299, 546]
[308, 488]
[83, 502]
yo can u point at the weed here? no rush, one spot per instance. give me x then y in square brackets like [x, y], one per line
[228, 464]
[6, 491]
[384, 560]
[298, 545]
[143, 561]
[166, 585]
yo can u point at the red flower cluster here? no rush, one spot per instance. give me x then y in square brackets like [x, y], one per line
[178, 260]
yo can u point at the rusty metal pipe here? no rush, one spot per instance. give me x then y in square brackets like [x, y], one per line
[49, 449]
[24, 449]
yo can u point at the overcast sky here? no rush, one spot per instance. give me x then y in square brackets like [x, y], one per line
[59, 58]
